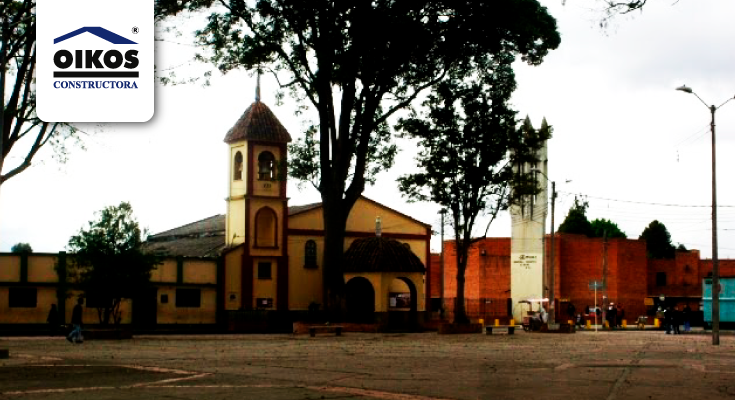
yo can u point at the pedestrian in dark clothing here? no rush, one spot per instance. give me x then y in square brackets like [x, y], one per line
[571, 311]
[667, 319]
[686, 316]
[53, 320]
[676, 320]
[76, 320]
[620, 314]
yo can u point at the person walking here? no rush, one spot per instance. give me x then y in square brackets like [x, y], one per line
[667, 319]
[76, 320]
[53, 320]
[687, 315]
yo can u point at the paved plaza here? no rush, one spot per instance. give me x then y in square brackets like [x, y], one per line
[416, 366]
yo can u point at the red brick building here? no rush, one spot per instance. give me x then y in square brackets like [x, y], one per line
[633, 281]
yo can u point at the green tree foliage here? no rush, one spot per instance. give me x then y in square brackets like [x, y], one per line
[658, 240]
[468, 146]
[343, 59]
[576, 221]
[604, 227]
[17, 94]
[21, 248]
[107, 262]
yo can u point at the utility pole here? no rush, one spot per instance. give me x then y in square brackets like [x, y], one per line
[715, 260]
[552, 272]
[605, 300]
[443, 212]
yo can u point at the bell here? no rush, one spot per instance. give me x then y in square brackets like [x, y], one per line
[264, 168]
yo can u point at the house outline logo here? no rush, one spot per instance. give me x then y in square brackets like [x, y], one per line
[100, 32]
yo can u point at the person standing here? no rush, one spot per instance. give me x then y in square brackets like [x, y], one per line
[676, 319]
[76, 320]
[572, 312]
[667, 319]
[687, 315]
[620, 314]
[53, 320]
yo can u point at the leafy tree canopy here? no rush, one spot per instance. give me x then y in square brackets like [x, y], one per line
[108, 264]
[658, 240]
[604, 227]
[469, 144]
[21, 248]
[576, 220]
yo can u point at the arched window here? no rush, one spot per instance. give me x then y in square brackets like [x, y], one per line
[266, 228]
[237, 168]
[266, 166]
[310, 254]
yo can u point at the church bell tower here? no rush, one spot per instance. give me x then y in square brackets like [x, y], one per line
[257, 207]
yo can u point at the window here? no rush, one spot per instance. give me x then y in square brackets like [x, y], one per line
[191, 298]
[22, 297]
[310, 254]
[264, 270]
[265, 227]
[660, 278]
[266, 166]
[164, 299]
[237, 168]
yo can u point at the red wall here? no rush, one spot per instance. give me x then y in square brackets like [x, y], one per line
[631, 275]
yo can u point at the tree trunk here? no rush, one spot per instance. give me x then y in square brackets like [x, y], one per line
[460, 314]
[335, 222]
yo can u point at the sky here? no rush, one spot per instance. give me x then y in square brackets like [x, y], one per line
[624, 139]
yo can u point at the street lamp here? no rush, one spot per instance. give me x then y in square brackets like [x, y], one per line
[551, 271]
[715, 261]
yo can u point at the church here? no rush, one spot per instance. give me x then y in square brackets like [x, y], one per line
[272, 251]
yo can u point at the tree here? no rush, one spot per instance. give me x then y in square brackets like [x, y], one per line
[17, 65]
[335, 57]
[658, 241]
[604, 227]
[107, 262]
[576, 220]
[21, 248]
[468, 146]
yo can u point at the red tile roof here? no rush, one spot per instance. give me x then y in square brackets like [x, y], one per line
[260, 124]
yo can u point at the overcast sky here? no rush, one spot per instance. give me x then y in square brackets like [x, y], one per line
[622, 135]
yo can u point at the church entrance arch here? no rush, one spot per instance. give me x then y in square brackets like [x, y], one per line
[360, 300]
[402, 304]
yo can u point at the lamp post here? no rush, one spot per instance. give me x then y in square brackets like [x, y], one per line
[715, 261]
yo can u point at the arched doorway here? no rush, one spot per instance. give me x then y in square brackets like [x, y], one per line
[402, 304]
[360, 300]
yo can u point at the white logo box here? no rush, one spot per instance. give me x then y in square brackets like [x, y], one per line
[111, 93]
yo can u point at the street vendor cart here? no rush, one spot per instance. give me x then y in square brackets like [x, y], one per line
[533, 314]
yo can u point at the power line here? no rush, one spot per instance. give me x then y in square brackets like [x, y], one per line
[652, 204]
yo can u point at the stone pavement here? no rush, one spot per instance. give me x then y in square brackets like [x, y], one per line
[422, 366]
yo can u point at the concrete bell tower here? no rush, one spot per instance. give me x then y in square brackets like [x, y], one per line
[257, 206]
[527, 233]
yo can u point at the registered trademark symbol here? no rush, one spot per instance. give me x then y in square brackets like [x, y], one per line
[135, 29]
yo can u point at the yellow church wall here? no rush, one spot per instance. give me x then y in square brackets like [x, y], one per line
[9, 268]
[233, 280]
[45, 296]
[42, 268]
[363, 214]
[265, 187]
[200, 271]
[90, 316]
[265, 288]
[169, 313]
[391, 278]
[238, 187]
[165, 272]
[312, 219]
[305, 283]
[235, 232]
